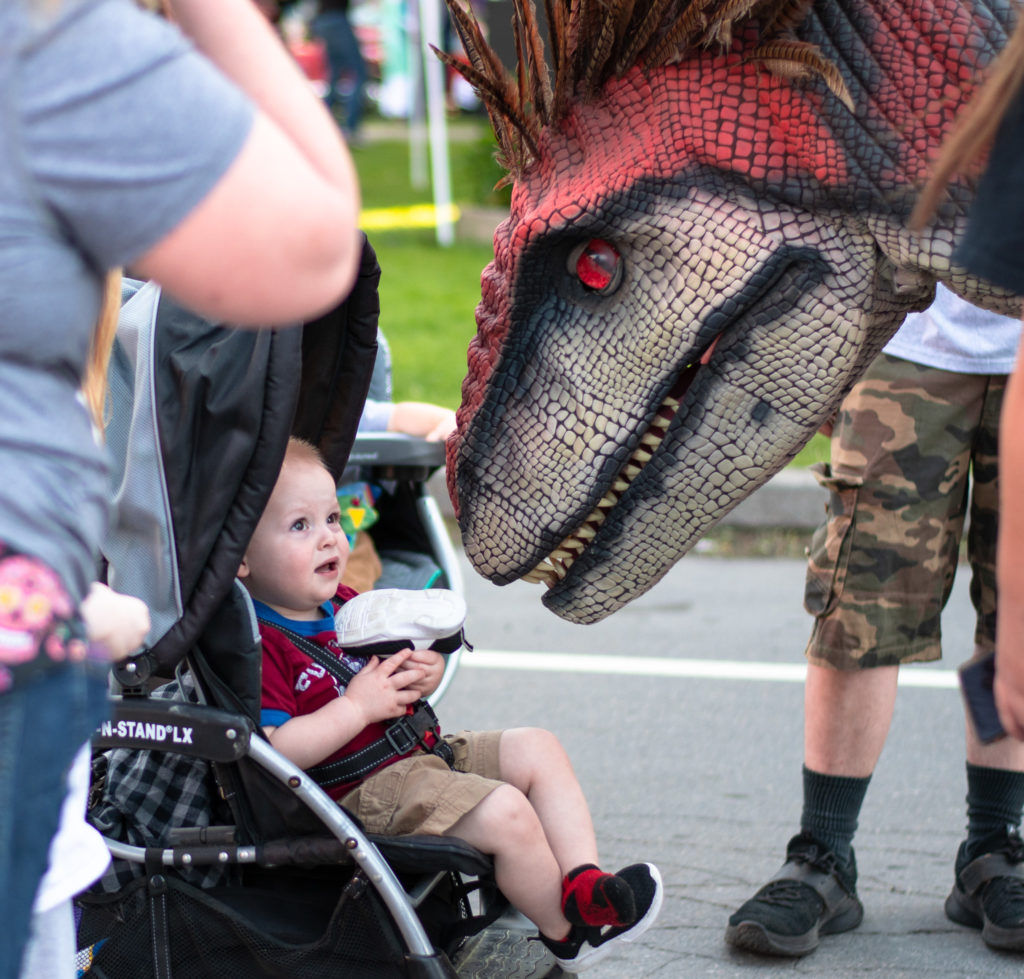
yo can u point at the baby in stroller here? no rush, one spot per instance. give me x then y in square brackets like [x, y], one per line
[512, 794]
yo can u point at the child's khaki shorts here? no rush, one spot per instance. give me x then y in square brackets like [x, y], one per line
[421, 794]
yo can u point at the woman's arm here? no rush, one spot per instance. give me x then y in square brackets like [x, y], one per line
[276, 239]
[1009, 681]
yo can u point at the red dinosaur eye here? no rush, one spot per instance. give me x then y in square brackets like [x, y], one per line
[598, 265]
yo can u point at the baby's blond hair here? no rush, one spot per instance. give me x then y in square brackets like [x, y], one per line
[301, 449]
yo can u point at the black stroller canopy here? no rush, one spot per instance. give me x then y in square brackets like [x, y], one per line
[201, 415]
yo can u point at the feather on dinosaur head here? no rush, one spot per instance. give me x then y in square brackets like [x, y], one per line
[592, 41]
[702, 255]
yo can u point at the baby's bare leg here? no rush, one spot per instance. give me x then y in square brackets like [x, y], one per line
[534, 761]
[505, 825]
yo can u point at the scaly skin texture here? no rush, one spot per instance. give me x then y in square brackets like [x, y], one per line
[750, 211]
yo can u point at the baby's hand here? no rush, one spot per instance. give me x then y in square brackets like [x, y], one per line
[431, 664]
[118, 622]
[444, 427]
[384, 688]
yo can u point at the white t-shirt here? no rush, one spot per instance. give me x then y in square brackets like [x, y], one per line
[78, 854]
[954, 335]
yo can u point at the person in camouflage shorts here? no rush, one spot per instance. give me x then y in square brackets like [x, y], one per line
[914, 444]
[881, 567]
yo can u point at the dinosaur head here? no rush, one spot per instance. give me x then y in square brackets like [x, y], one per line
[700, 258]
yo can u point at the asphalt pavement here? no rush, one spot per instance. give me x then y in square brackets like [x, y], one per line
[683, 714]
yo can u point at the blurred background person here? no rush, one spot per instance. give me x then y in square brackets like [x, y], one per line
[348, 74]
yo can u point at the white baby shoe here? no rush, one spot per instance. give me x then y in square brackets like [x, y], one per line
[385, 620]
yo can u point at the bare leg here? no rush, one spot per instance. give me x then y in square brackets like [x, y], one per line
[505, 825]
[846, 718]
[538, 827]
[534, 761]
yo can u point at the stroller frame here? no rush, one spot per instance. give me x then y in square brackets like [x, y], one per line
[224, 737]
[258, 407]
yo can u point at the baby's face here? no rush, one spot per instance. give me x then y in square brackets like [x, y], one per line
[297, 554]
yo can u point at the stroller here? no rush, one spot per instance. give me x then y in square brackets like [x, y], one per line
[229, 861]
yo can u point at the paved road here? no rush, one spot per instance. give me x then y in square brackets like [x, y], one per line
[701, 774]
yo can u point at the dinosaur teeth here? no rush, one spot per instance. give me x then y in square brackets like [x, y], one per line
[556, 565]
[544, 573]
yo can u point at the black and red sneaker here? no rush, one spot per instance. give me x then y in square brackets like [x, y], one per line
[594, 898]
[586, 946]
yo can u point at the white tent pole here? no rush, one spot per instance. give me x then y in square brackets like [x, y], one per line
[437, 120]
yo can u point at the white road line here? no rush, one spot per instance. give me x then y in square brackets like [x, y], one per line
[708, 669]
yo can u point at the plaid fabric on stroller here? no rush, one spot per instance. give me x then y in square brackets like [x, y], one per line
[229, 860]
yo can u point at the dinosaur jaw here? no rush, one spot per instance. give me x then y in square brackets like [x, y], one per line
[557, 564]
[617, 541]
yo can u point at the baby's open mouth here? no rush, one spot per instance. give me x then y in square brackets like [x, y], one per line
[328, 568]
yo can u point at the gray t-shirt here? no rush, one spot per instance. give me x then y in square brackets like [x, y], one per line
[112, 128]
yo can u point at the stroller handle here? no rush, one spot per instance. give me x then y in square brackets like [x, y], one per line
[395, 449]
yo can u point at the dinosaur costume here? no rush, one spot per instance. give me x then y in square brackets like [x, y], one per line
[706, 247]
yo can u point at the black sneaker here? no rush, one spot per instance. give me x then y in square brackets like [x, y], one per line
[566, 952]
[812, 895]
[587, 946]
[989, 892]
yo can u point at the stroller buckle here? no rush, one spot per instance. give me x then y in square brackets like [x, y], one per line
[402, 736]
[407, 732]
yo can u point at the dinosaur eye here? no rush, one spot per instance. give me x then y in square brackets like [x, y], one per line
[598, 265]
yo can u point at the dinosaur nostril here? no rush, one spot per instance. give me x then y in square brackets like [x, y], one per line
[599, 265]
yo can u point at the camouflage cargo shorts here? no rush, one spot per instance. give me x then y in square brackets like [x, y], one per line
[911, 446]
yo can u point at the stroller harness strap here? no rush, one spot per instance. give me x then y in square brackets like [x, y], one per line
[401, 736]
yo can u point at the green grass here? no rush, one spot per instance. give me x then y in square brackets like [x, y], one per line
[427, 298]
[814, 451]
[428, 293]
[384, 168]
